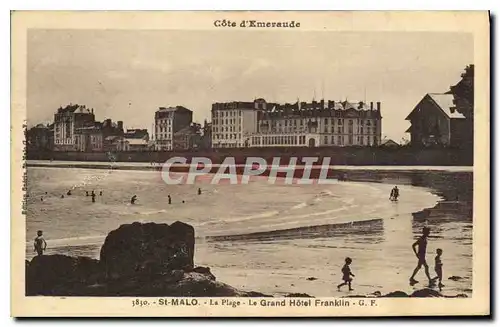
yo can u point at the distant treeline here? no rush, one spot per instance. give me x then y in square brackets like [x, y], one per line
[356, 156]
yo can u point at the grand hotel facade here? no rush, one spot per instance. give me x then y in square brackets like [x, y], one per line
[315, 124]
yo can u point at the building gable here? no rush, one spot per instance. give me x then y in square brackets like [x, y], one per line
[421, 107]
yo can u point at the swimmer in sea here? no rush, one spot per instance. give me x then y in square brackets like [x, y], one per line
[100, 193]
[169, 199]
[93, 196]
[86, 193]
[62, 196]
[69, 192]
[133, 199]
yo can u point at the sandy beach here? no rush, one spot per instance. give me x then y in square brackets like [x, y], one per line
[277, 238]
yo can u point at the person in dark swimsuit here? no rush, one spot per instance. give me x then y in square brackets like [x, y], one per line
[133, 199]
[421, 243]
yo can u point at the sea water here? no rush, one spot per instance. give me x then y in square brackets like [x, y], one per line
[284, 254]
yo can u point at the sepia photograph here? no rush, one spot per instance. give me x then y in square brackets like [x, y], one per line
[274, 161]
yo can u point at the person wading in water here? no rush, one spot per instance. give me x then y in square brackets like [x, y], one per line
[394, 194]
[421, 243]
[133, 199]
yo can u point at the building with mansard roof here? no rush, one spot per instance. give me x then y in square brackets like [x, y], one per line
[317, 123]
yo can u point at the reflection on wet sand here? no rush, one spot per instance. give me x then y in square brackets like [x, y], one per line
[372, 228]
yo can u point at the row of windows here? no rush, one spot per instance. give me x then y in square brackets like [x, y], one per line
[227, 145]
[340, 130]
[162, 129]
[279, 140]
[326, 129]
[339, 140]
[225, 136]
[226, 113]
[226, 129]
[227, 121]
[327, 121]
[164, 122]
[63, 142]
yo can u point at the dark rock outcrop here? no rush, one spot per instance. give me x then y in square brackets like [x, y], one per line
[136, 249]
[396, 294]
[299, 295]
[426, 292]
[136, 260]
[51, 274]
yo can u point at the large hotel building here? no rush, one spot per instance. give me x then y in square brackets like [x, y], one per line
[319, 123]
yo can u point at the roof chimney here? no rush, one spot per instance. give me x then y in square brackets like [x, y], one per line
[378, 105]
[371, 105]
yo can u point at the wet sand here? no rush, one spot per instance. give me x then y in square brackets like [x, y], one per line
[253, 248]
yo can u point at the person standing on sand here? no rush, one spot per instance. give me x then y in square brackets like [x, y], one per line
[422, 247]
[438, 267]
[346, 275]
[133, 199]
[40, 244]
[169, 199]
[199, 191]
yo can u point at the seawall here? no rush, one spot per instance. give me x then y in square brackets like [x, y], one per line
[406, 156]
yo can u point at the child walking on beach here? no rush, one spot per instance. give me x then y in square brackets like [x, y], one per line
[438, 267]
[346, 274]
[40, 244]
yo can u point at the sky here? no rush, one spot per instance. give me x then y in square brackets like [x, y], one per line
[127, 74]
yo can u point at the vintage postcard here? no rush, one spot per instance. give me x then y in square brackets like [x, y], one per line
[257, 164]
